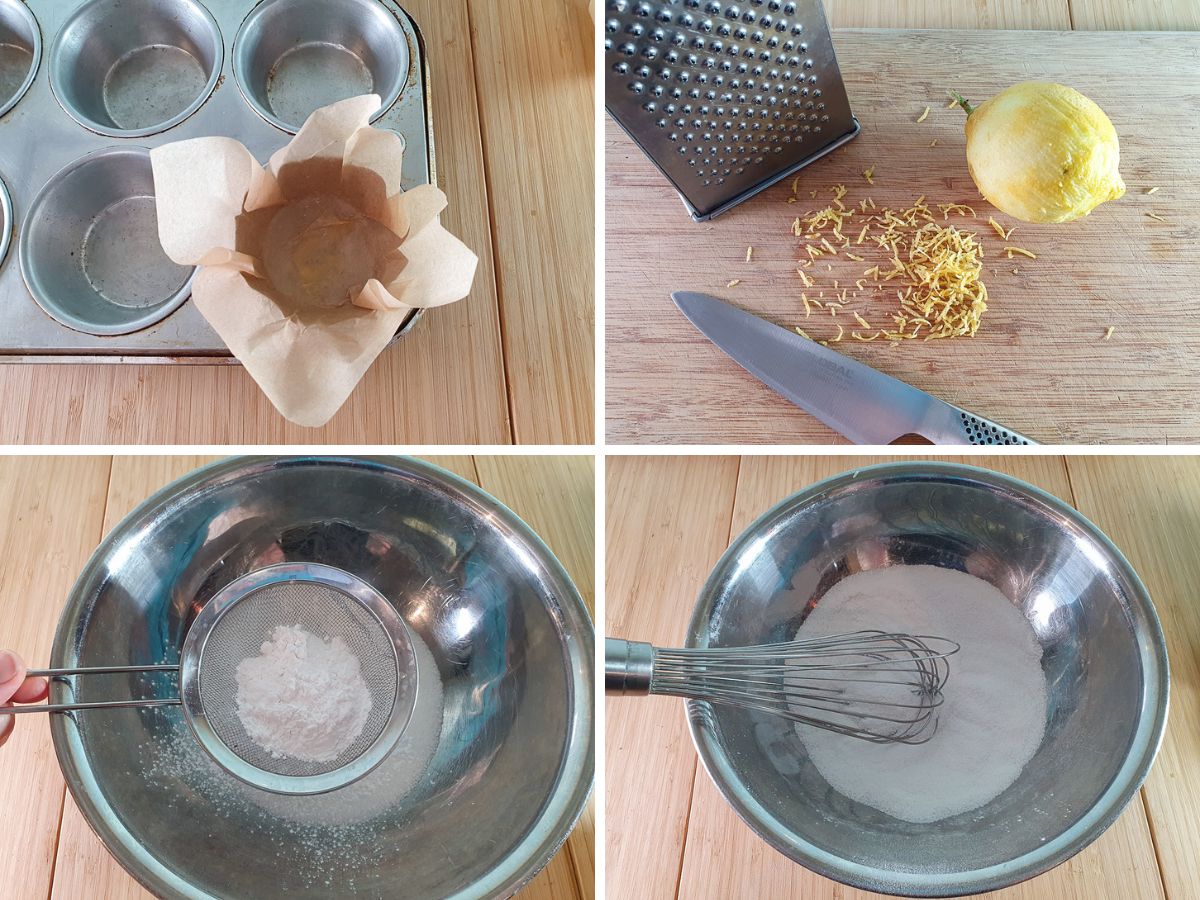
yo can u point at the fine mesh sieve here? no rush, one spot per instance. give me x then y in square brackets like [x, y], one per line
[329, 604]
[726, 98]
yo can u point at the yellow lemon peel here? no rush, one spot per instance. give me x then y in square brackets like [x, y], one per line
[1043, 152]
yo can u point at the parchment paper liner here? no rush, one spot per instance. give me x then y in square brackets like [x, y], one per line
[307, 300]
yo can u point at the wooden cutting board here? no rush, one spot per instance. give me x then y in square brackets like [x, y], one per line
[1040, 363]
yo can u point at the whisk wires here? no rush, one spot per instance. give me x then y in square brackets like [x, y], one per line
[873, 685]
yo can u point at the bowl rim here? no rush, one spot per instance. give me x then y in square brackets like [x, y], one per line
[573, 784]
[1088, 826]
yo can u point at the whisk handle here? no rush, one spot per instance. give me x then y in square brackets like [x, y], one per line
[628, 666]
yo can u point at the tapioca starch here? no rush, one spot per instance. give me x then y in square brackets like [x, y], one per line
[994, 713]
[301, 696]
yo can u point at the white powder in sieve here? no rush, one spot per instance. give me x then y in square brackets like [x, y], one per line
[302, 697]
[994, 714]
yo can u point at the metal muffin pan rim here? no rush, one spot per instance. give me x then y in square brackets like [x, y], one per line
[239, 77]
[122, 133]
[35, 29]
[154, 314]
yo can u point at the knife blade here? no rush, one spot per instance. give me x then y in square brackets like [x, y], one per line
[865, 405]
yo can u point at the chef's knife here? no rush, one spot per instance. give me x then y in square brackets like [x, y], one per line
[866, 406]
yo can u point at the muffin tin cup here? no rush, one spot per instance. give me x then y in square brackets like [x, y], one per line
[20, 52]
[91, 256]
[67, 290]
[130, 68]
[291, 57]
[6, 222]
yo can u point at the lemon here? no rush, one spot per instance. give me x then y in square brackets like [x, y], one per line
[1043, 152]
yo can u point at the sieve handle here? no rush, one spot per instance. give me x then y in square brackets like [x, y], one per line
[97, 704]
[100, 670]
[628, 666]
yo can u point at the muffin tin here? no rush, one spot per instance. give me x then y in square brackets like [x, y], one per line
[87, 88]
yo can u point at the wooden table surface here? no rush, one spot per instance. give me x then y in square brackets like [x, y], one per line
[1040, 363]
[56, 509]
[670, 834]
[513, 96]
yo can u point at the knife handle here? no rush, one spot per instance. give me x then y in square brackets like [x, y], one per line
[984, 432]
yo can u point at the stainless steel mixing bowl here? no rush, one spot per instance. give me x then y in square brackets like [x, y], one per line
[483, 787]
[1103, 656]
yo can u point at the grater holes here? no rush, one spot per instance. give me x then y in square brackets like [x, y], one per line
[744, 67]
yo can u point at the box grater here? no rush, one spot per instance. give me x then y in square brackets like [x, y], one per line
[726, 98]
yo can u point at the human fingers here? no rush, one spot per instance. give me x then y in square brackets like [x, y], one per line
[12, 674]
[32, 690]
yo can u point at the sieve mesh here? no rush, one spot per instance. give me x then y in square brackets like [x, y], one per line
[324, 612]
